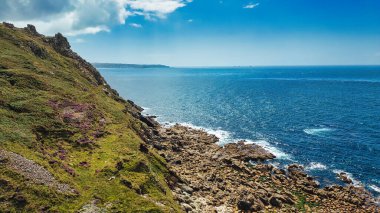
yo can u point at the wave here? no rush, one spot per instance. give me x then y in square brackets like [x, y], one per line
[225, 137]
[315, 166]
[318, 131]
[145, 110]
[270, 148]
[349, 175]
[375, 188]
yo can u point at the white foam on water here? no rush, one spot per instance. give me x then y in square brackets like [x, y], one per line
[315, 166]
[270, 148]
[349, 175]
[145, 110]
[375, 188]
[224, 136]
[317, 131]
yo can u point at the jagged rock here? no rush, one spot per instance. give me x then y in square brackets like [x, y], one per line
[244, 205]
[144, 148]
[9, 25]
[31, 29]
[275, 201]
[187, 207]
[149, 121]
[246, 152]
[61, 45]
[343, 176]
[37, 50]
[186, 188]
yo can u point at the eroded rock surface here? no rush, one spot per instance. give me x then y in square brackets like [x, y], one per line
[211, 178]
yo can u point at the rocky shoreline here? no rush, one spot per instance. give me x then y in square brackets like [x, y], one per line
[238, 178]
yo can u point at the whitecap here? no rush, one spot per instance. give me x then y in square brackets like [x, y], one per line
[223, 136]
[270, 148]
[375, 188]
[318, 131]
[315, 166]
[145, 110]
[349, 175]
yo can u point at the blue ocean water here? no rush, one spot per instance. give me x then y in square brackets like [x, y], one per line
[325, 118]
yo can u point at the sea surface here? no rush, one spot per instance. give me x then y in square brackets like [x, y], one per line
[325, 118]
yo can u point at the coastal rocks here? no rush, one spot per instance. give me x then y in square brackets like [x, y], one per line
[244, 205]
[246, 152]
[344, 177]
[149, 120]
[210, 178]
[274, 201]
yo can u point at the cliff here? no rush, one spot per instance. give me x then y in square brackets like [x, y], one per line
[68, 142]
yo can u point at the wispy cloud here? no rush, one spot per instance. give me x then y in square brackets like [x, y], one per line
[79, 40]
[135, 25]
[251, 5]
[73, 17]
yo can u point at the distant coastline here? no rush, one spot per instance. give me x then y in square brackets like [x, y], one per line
[120, 65]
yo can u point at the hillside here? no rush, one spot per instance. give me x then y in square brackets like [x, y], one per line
[68, 142]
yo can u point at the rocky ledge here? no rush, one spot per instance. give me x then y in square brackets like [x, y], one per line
[238, 178]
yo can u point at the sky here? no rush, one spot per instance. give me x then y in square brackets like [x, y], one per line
[209, 32]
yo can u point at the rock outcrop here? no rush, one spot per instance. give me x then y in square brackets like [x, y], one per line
[223, 179]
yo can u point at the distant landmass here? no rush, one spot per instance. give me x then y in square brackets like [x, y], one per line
[118, 65]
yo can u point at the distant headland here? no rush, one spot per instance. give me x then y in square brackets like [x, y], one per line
[120, 65]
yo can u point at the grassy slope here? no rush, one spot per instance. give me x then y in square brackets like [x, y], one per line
[40, 120]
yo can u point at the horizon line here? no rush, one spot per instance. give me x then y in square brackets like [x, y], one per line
[240, 66]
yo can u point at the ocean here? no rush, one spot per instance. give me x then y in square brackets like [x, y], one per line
[325, 118]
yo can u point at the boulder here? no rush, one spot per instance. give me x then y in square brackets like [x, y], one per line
[244, 205]
[246, 152]
[344, 177]
[31, 29]
[9, 25]
[275, 201]
[187, 207]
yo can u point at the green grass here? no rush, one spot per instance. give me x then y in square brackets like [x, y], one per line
[302, 202]
[32, 126]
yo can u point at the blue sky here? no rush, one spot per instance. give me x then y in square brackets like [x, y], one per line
[211, 32]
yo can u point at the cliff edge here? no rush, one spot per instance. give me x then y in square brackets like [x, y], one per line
[68, 142]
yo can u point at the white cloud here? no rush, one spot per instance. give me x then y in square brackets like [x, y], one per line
[75, 17]
[135, 25]
[251, 5]
[79, 40]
